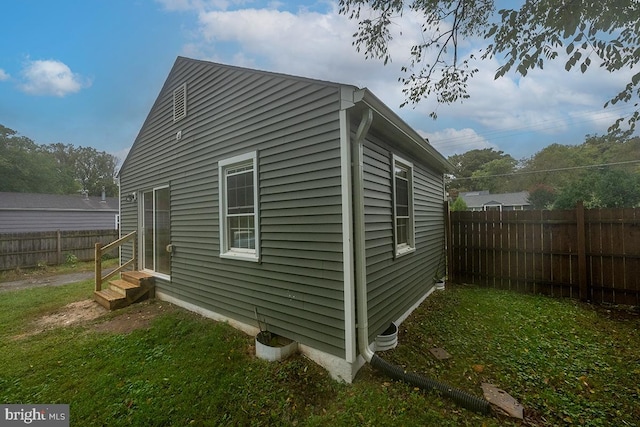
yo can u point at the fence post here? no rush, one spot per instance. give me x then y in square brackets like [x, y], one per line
[59, 246]
[582, 253]
[98, 267]
[448, 242]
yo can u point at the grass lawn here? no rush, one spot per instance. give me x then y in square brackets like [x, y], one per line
[567, 363]
[51, 270]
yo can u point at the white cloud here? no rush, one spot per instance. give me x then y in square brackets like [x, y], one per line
[4, 75]
[121, 155]
[285, 40]
[305, 43]
[51, 77]
[455, 141]
[319, 45]
[550, 103]
[314, 44]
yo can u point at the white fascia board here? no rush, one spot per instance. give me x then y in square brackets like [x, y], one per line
[400, 127]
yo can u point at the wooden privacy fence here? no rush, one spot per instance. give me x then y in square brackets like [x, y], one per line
[590, 254]
[24, 250]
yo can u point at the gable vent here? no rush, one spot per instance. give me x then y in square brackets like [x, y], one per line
[180, 103]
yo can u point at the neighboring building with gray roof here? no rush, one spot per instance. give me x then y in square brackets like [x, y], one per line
[484, 201]
[29, 212]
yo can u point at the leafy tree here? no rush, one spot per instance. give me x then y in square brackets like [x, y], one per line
[25, 167]
[607, 149]
[607, 188]
[585, 33]
[468, 163]
[459, 204]
[93, 169]
[96, 171]
[65, 167]
[554, 165]
[618, 189]
[568, 172]
[571, 194]
[542, 196]
[56, 168]
[563, 168]
[496, 176]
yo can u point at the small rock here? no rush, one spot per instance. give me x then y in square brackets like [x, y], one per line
[503, 400]
[440, 353]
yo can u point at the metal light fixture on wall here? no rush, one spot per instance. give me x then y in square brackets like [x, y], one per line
[131, 197]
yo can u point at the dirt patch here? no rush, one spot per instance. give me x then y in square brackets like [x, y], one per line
[71, 314]
[135, 317]
[138, 316]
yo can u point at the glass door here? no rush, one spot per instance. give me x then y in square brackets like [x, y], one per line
[156, 226]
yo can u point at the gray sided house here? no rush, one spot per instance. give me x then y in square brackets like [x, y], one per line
[256, 192]
[485, 201]
[30, 212]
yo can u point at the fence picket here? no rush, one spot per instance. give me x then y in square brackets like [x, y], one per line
[26, 250]
[592, 254]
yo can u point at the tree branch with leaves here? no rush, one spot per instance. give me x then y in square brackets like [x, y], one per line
[584, 32]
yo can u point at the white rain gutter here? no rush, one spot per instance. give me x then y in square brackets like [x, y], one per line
[467, 400]
[359, 235]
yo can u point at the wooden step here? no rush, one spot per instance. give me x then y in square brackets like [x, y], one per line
[136, 277]
[122, 286]
[110, 299]
[134, 286]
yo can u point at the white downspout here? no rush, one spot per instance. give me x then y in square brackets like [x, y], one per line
[346, 179]
[359, 236]
[467, 400]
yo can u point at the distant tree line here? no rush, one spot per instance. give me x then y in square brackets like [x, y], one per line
[27, 167]
[603, 171]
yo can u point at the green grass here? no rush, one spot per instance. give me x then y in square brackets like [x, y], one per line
[567, 363]
[50, 270]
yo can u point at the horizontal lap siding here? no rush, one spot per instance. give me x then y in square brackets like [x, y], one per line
[16, 220]
[301, 217]
[395, 285]
[297, 288]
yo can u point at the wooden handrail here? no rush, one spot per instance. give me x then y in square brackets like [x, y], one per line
[99, 250]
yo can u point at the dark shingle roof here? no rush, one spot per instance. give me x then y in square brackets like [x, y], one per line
[56, 202]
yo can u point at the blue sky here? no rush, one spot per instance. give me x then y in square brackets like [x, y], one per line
[87, 72]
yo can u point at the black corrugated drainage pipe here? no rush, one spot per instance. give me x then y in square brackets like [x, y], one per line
[462, 398]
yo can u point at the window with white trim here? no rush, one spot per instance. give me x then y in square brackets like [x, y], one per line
[403, 216]
[239, 225]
